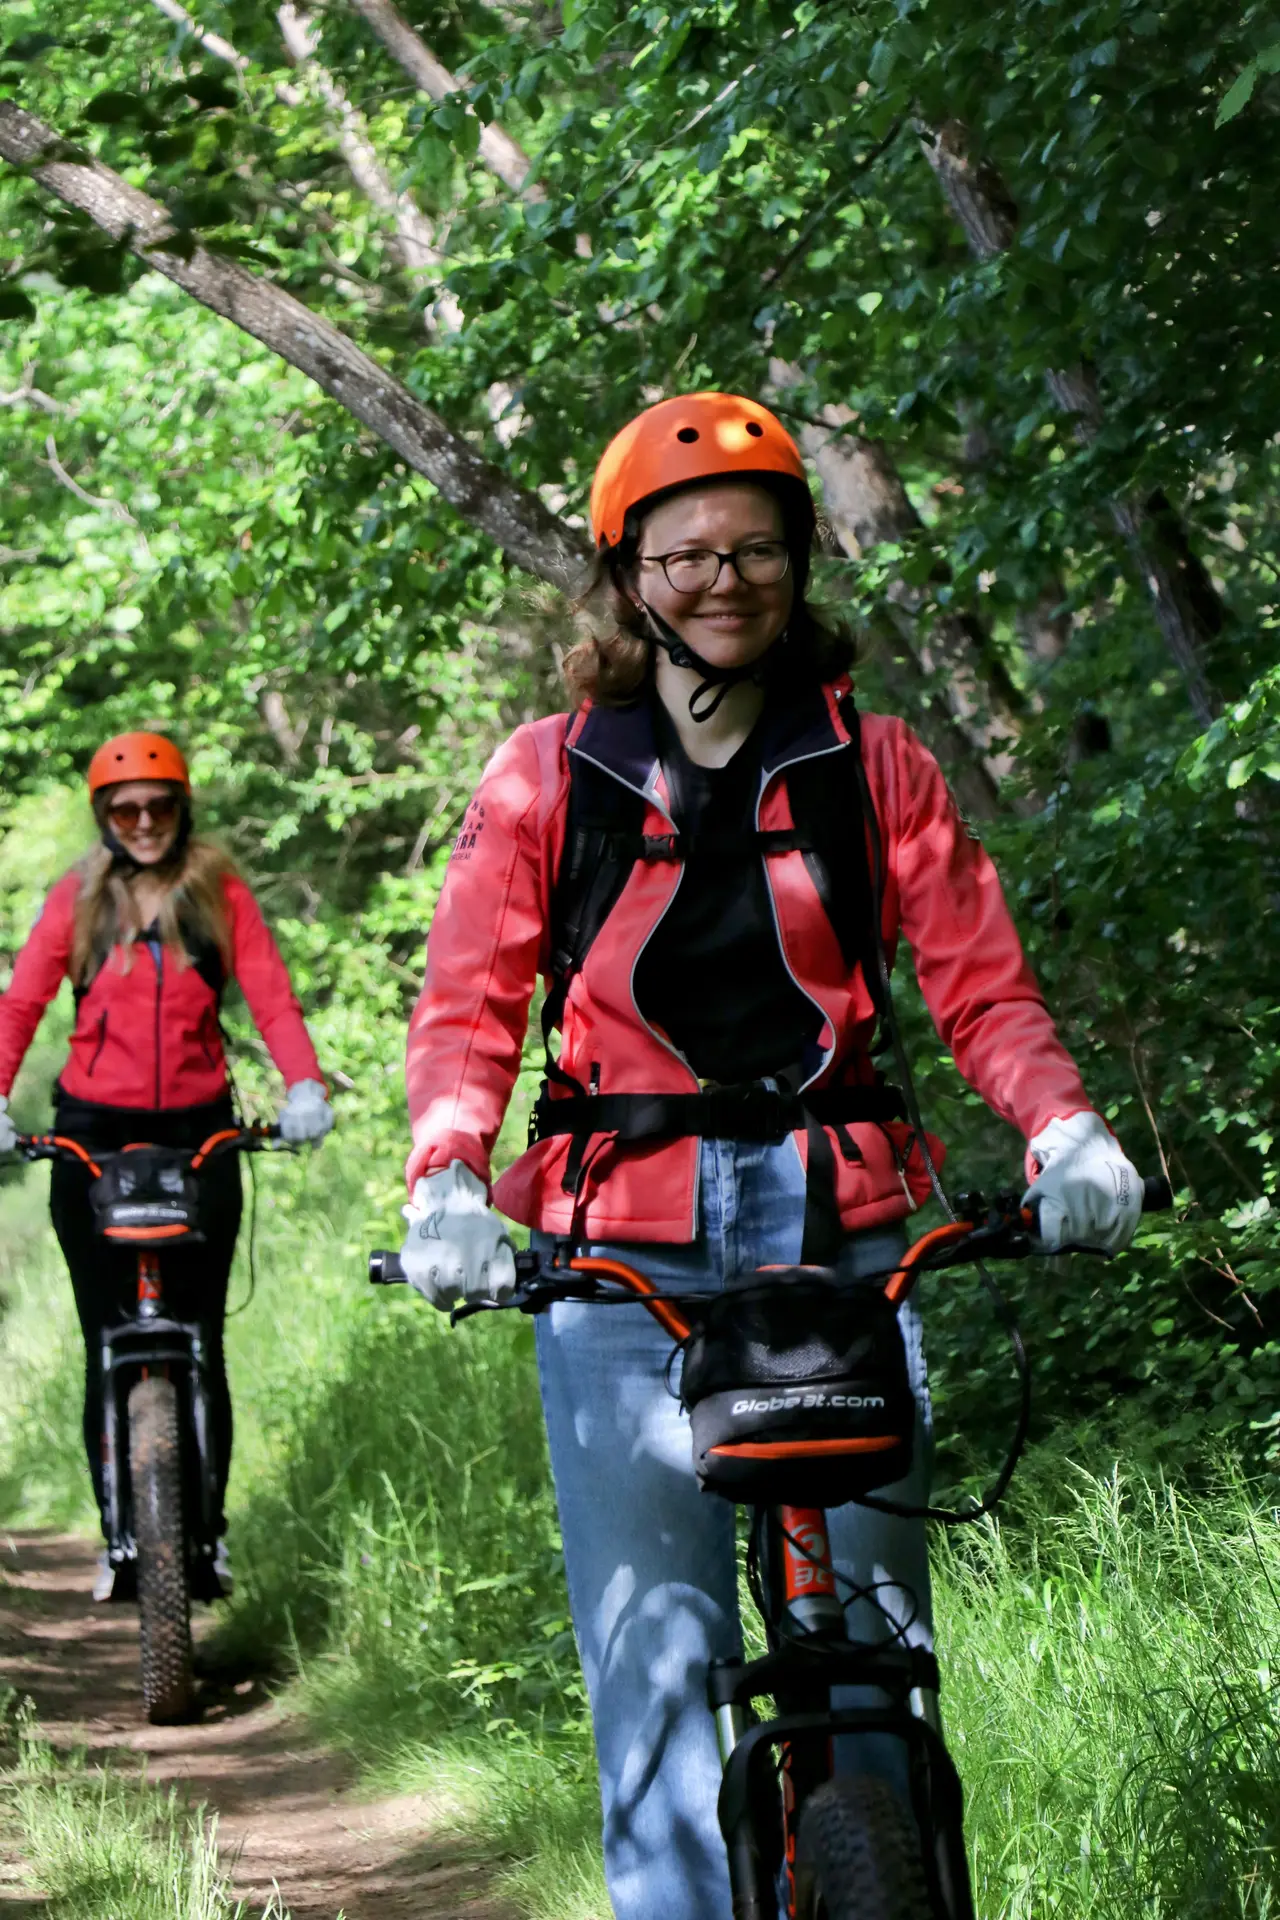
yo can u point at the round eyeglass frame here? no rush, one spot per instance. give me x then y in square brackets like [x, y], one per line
[732, 559]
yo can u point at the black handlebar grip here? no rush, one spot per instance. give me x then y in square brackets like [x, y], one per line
[1157, 1194]
[385, 1269]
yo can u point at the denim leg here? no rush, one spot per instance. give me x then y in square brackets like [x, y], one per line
[651, 1562]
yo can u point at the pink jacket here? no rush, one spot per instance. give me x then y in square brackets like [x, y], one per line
[488, 943]
[149, 1037]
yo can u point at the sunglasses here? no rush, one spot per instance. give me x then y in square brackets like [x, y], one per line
[128, 813]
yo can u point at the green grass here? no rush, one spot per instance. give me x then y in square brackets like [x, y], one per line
[102, 1845]
[1109, 1650]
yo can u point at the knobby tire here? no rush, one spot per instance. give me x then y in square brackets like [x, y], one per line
[155, 1464]
[858, 1854]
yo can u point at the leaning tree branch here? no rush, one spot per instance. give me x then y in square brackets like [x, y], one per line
[1188, 610]
[517, 521]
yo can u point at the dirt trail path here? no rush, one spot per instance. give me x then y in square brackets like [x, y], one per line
[288, 1812]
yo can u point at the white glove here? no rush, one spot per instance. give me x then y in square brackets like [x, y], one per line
[306, 1113]
[1089, 1194]
[455, 1246]
[8, 1132]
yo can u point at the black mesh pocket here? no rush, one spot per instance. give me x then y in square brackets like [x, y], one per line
[147, 1194]
[797, 1391]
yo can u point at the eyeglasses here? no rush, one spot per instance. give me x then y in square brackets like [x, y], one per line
[761, 563]
[127, 813]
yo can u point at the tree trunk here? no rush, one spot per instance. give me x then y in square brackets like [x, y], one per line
[525, 530]
[975, 710]
[1187, 607]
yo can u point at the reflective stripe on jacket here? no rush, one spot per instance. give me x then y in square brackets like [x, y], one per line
[146, 1032]
[488, 942]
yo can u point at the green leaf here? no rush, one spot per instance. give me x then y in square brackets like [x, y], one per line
[1153, 157]
[108, 109]
[884, 58]
[29, 46]
[1238, 95]
[210, 89]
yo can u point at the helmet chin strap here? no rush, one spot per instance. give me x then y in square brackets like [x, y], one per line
[715, 681]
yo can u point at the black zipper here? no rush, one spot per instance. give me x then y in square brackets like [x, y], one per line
[102, 1041]
[158, 956]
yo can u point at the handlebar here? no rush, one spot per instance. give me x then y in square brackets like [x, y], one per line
[1003, 1230]
[59, 1146]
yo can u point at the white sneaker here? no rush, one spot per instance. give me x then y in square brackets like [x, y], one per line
[222, 1569]
[104, 1582]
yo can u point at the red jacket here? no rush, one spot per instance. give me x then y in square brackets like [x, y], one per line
[149, 1037]
[488, 942]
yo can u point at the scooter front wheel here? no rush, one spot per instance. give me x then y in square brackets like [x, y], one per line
[155, 1465]
[858, 1854]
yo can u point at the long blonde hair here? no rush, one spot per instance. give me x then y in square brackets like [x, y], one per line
[106, 914]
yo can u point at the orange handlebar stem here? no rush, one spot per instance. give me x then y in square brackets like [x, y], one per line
[215, 1140]
[904, 1277]
[72, 1146]
[662, 1310]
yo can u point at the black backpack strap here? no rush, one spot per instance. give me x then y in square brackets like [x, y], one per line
[827, 806]
[603, 830]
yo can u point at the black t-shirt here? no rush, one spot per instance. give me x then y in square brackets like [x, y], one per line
[712, 975]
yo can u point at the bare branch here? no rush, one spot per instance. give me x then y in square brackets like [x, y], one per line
[501, 154]
[116, 508]
[516, 520]
[28, 394]
[221, 49]
[415, 236]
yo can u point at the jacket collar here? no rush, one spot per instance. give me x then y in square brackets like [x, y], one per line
[621, 739]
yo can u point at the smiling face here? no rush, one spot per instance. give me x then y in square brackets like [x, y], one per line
[732, 623]
[144, 816]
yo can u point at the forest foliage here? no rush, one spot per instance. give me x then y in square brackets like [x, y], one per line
[1007, 272]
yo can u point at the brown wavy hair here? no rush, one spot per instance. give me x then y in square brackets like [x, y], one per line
[106, 918]
[613, 659]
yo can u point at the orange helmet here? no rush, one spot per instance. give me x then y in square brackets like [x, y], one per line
[700, 436]
[137, 756]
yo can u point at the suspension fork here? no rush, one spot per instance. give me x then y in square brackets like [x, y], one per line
[806, 1600]
[150, 1298]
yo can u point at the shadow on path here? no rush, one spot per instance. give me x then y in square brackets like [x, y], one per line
[288, 1813]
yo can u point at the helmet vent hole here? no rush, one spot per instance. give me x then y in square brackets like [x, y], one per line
[755, 429]
[688, 435]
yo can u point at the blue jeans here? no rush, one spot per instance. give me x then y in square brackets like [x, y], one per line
[651, 1562]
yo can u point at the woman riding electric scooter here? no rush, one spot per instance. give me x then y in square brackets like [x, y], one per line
[690, 862]
[149, 926]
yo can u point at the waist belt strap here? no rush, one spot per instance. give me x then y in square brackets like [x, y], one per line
[747, 1112]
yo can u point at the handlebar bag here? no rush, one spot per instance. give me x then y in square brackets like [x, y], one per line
[147, 1194]
[797, 1391]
